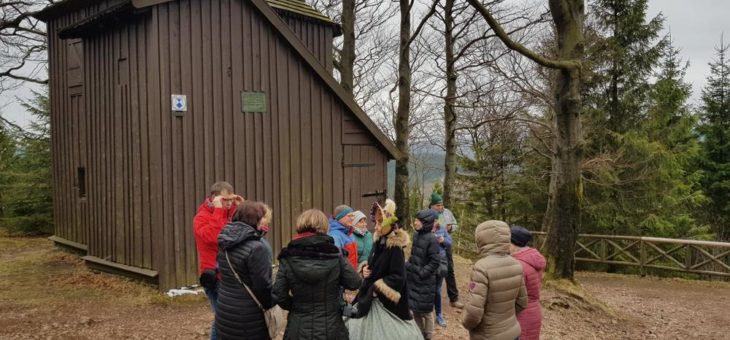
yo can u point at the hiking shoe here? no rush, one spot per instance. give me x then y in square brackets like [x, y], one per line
[456, 304]
[440, 320]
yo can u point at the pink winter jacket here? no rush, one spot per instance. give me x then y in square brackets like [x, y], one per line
[530, 319]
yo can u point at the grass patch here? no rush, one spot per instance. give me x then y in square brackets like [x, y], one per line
[162, 299]
[570, 294]
[10, 245]
[34, 274]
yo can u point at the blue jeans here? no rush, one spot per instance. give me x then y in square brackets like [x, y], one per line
[213, 298]
[437, 300]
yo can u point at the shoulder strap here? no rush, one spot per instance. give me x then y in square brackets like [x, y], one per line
[253, 296]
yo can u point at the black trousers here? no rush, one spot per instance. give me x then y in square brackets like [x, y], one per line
[451, 289]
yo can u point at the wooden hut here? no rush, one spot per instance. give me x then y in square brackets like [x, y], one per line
[154, 100]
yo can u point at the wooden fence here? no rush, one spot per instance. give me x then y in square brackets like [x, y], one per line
[686, 256]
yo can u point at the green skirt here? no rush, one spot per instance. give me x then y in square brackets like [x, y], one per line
[381, 324]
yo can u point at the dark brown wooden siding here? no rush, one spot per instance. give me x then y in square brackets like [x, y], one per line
[317, 36]
[69, 132]
[147, 170]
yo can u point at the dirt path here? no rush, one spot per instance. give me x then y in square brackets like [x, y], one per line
[645, 308]
[48, 294]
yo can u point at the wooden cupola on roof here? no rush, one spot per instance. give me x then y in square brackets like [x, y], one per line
[313, 28]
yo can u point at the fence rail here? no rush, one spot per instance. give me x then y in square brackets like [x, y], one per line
[687, 256]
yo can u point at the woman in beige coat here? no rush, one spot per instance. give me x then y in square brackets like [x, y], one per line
[496, 290]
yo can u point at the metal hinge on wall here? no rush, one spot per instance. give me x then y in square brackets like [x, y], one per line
[358, 165]
[374, 193]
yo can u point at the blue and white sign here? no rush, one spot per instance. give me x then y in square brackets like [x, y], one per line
[179, 103]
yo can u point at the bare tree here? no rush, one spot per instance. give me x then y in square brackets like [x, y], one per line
[465, 45]
[564, 210]
[402, 127]
[362, 47]
[347, 54]
[22, 44]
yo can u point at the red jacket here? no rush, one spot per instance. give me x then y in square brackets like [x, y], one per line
[207, 224]
[530, 319]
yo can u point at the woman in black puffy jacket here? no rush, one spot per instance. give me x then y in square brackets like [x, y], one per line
[237, 314]
[311, 272]
[422, 268]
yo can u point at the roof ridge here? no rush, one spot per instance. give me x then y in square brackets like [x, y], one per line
[299, 7]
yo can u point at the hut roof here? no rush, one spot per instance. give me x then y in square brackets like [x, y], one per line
[299, 7]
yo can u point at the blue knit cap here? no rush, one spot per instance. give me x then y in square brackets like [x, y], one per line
[343, 213]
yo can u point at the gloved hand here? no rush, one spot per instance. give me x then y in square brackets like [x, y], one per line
[209, 279]
[350, 311]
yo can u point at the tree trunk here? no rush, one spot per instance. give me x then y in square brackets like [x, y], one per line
[347, 57]
[449, 113]
[564, 214]
[402, 126]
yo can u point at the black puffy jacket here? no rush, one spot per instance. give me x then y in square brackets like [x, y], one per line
[237, 315]
[421, 268]
[388, 276]
[311, 272]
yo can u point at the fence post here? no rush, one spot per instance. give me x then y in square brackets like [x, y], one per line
[642, 257]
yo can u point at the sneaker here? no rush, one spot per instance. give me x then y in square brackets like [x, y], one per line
[440, 320]
[456, 304]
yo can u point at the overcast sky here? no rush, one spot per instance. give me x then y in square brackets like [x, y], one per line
[695, 25]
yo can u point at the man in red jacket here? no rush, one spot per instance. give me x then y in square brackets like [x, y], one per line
[212, 216]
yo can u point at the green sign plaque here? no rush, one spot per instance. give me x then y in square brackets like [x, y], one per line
[253, 102]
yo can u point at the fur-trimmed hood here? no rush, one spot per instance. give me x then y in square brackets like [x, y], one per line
[397, 238]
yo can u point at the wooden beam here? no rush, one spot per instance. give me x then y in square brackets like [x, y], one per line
[585, 248]
[146, 275]
[310, 60]
[665, 254]
[714, 258]
[623, 250]
[711, 257]
[147, 3]
[75, 246]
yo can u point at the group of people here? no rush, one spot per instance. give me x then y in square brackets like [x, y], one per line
[339, 280]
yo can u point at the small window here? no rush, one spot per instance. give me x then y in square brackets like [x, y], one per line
[82, 182]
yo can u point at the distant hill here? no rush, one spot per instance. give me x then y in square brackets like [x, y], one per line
[429, 165]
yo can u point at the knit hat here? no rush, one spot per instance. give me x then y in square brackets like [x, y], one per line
[358, 215]
[436, 199]
[341, 211]
[427, 218]
[520, 236]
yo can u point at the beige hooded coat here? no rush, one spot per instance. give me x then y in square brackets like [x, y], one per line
[497, 289]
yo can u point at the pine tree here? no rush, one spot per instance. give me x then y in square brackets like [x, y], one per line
[26, 182]
[627, 56]
[7, 162]
[676, 192]
[649, 185]
[625, 50]
[715, 140]
[503, 177]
